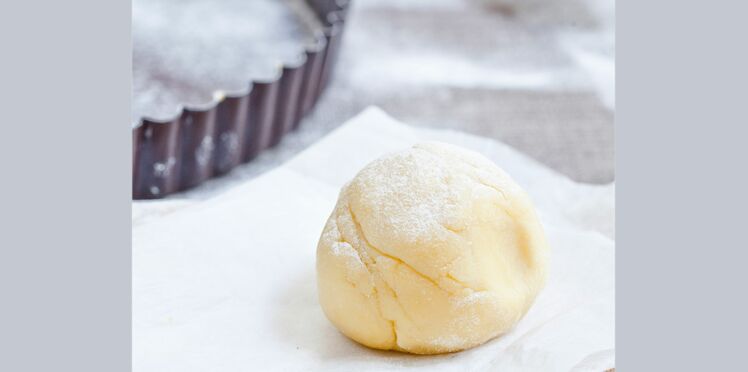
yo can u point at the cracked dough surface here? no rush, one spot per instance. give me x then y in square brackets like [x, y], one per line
[430, 250]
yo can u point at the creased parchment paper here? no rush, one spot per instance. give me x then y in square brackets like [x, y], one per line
[228, 284]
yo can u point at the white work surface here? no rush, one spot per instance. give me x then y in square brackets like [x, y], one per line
[228, 283]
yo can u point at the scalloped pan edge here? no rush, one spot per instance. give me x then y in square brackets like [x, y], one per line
[208, 141]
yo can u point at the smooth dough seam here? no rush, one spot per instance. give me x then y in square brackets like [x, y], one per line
[396, 259]
[399, 261]
[372, 272]
[394, 332]
[346, 278]
[400, 304]
[452, 230]
[452, 278]
[395, 297]
[368, 269]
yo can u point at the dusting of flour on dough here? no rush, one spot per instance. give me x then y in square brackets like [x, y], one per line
[415, 235]
[416, 200]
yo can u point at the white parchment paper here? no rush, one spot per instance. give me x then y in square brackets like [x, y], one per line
[228, 284]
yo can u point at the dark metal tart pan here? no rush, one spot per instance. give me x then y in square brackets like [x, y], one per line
[205, 142]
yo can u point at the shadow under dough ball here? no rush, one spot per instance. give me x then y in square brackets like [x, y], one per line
[430, 250]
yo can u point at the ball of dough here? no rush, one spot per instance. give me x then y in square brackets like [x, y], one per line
[430, 250]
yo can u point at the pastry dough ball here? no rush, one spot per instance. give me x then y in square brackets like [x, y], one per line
[430, 250]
